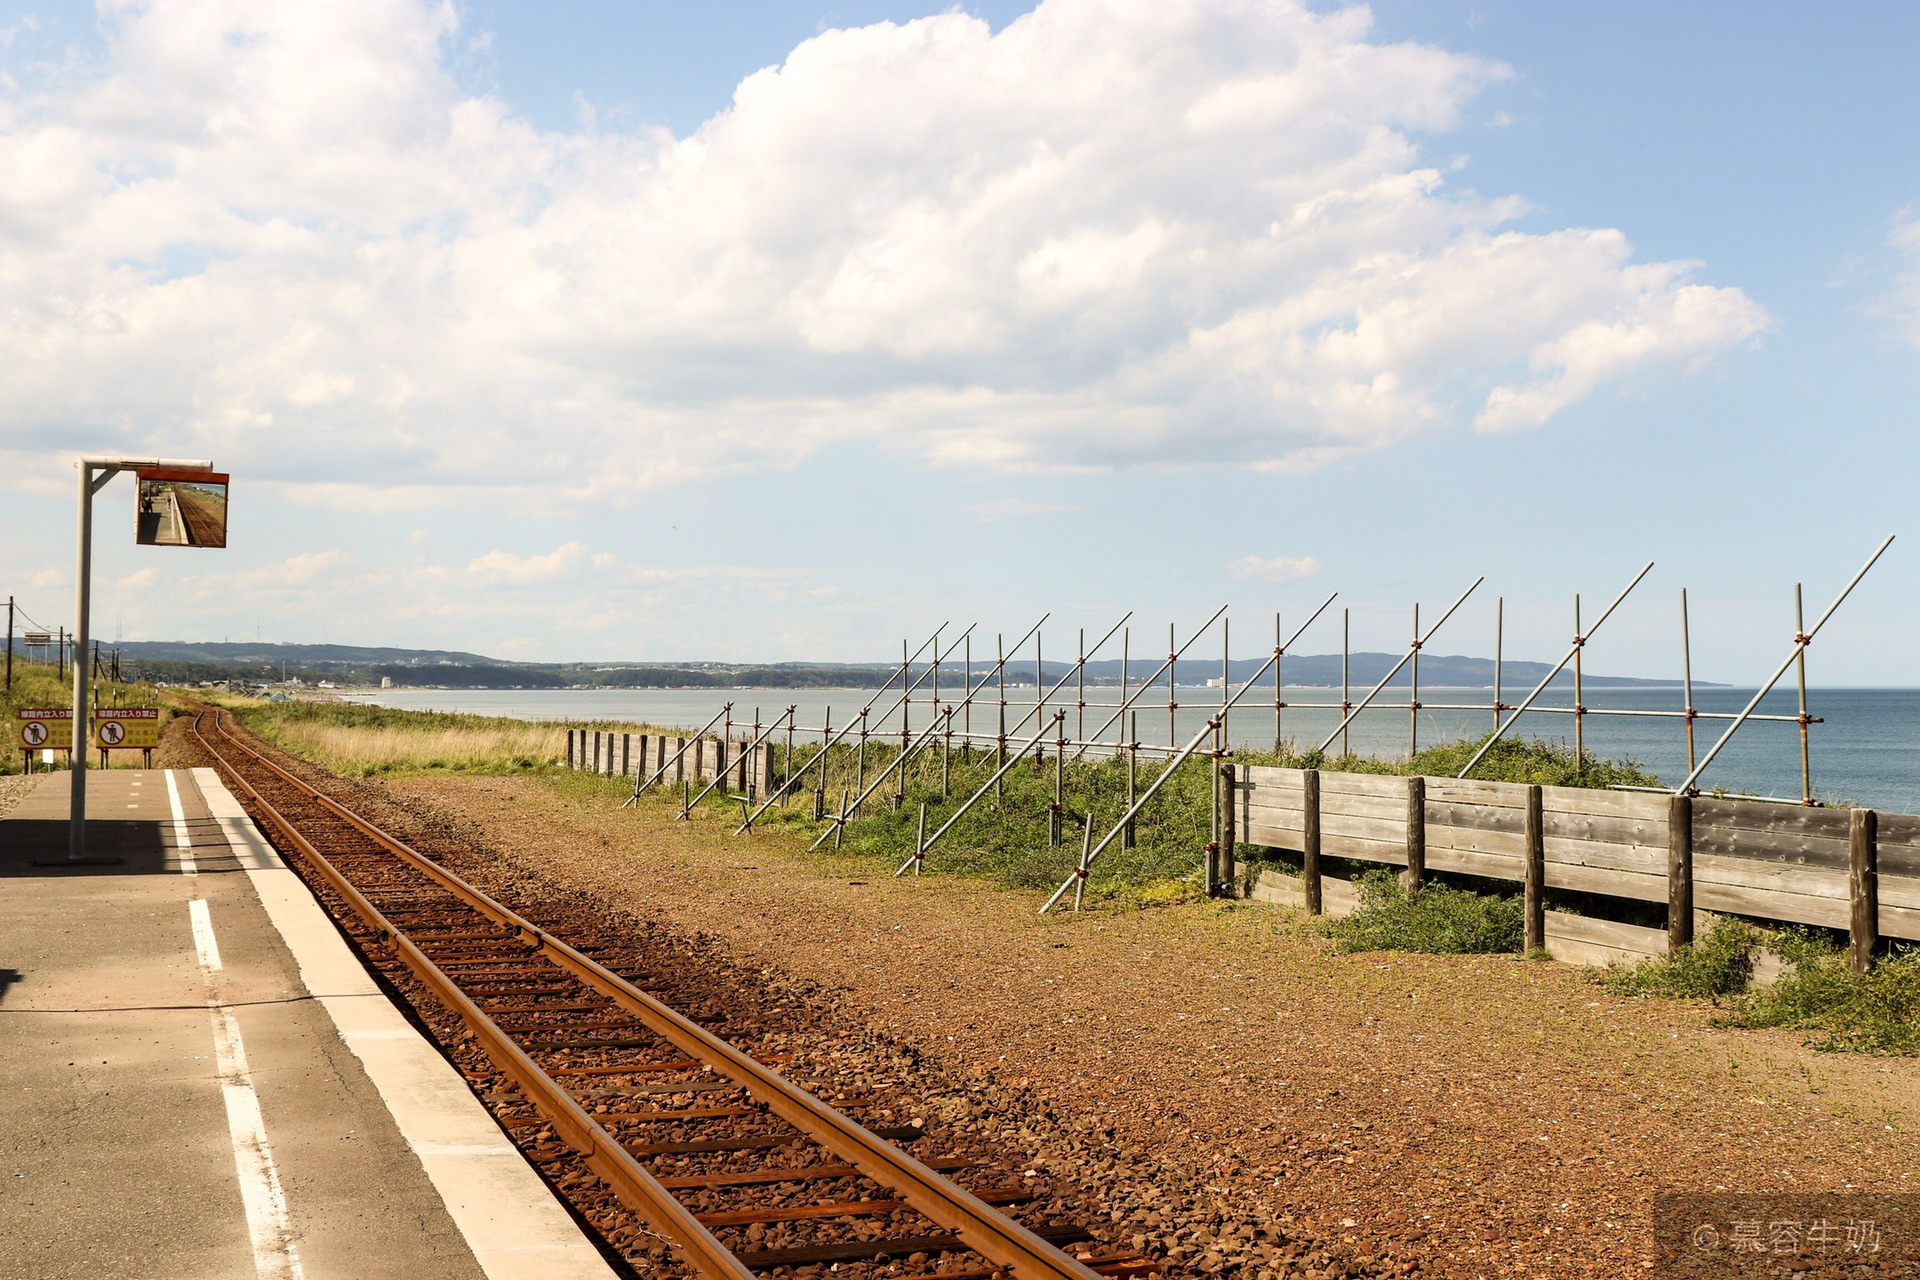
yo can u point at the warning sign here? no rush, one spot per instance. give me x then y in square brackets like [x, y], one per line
[46, 728]
[126, 728]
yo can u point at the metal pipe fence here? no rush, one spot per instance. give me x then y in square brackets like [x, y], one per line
[930, 720]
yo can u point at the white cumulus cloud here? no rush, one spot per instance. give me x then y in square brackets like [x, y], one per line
[1273, 568]
[1111, 233]
[1902, 302]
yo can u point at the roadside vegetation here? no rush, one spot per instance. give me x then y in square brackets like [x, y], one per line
[39, 684]
[1433, 918]
[1875, 1012]
[361, 741]
[1005, 836]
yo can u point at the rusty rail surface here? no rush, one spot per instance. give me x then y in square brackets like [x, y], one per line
[974, 1225]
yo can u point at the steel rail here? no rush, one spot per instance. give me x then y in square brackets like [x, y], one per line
[980, 1228]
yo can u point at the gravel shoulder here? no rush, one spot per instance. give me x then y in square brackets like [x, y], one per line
[15, 786]
[1469, 1116]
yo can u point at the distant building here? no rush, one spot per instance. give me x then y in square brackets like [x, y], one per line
[386, 682]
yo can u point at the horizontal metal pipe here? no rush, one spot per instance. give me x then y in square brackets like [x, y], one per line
[1411, 650]
[1800, 644]
[1579, 642]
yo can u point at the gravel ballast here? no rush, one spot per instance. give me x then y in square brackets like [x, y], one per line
[1231, 1095]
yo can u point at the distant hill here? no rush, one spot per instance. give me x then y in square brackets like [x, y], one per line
[257, 653]
[183, 661]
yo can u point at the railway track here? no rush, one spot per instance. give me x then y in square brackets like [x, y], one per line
[673, 1134]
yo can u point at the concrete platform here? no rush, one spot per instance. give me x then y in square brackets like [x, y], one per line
[197, 1078]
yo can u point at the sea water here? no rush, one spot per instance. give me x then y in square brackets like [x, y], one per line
[1865, 750]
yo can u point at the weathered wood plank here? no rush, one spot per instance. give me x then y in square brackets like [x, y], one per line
[1379, 785]
[1337, 897]
[1899, 920]
[1391, 830]
[1752, 815]
[1621, 884]
[1389, 852]
[1358, 806]
[1477, 816]
[1786, 847]
[1899, 891]
[1798, 908]
[1768, 878]
[1899, 838]
[1505, 795]
[1469, 863]
[1291, 838]
[1505, 844]
[1637, 858]
[1608, 804]
[1266, 775]
[1899, 829]
[1607, 829]
[1254, 810]
[1583, 940]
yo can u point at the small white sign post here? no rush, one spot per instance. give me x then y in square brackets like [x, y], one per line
[94, 474]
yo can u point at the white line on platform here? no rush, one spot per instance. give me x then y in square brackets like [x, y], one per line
[512, 1222]
[274, 1254]
[182, 838]
[203, 940]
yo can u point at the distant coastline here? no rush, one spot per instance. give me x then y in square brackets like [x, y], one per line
[364, 667]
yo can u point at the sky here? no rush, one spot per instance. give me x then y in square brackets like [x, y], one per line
[781, 331]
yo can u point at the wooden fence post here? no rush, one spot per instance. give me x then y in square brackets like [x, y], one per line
[720, 761]
[679, 759]
[626, 754]
[1536, 903]
[1416, 832]
[1679, 873]
[1863, 887]
[1227, 830]
[1310, 839]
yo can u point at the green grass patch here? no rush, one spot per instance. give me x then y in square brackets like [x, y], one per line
[1875, 1012]
[1433, 918]
[1717, 964]
[1528, 760]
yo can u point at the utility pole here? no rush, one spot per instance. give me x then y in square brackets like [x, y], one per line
[60, 654]
[9, 644]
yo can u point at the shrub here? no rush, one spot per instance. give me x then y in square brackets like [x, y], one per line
[1718, 964]
[1432, 918]
[1874, 1012]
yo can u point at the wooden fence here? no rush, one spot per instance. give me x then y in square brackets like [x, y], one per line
[695, 760]
[1851, 869]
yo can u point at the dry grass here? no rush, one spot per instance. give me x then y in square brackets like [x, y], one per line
[365, 750]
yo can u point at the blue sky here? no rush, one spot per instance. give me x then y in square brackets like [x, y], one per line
[531, 330]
